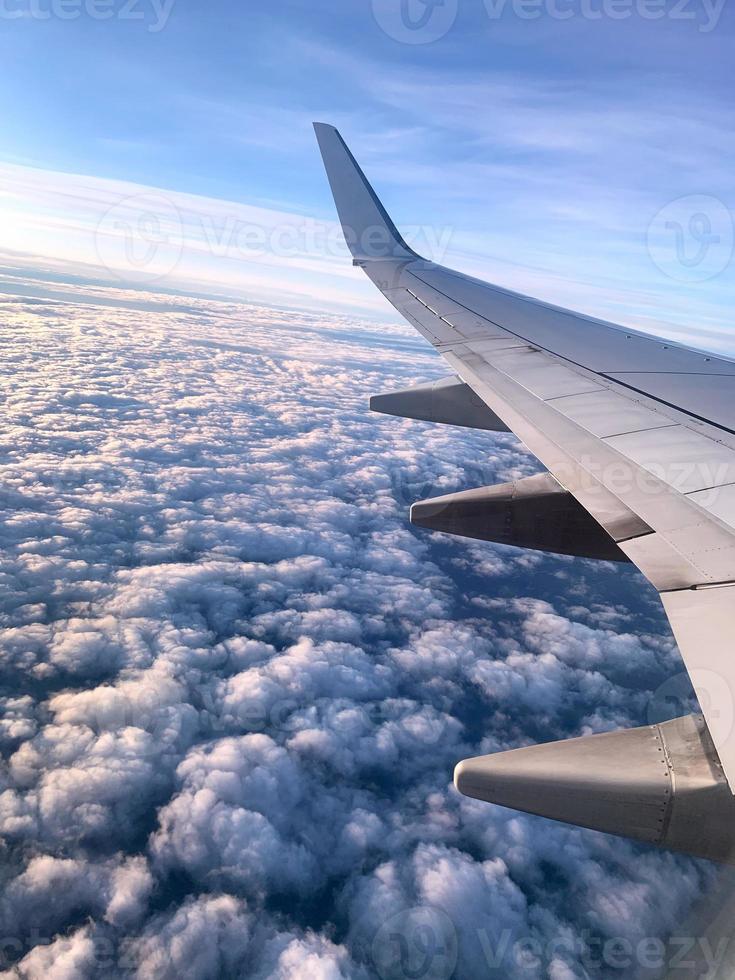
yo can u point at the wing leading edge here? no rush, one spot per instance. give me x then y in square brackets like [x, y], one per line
[637, 431]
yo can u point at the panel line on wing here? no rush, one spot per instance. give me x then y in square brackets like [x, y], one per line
[607, 376]
[632, 432]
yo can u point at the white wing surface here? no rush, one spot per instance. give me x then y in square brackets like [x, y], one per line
[639, 431]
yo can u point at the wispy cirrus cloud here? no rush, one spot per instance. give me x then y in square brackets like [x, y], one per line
[141, 235]
[612, 198]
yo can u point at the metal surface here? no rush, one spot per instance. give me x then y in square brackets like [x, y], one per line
[368, 230]
[691, 548]
[540, 375]
[709, 395]
[448, 400]
[703, 621]
[595, 344]
[534, 365]
[684, 459]
[532, 513]
[607, 413]
[662, 784]
[720, 502]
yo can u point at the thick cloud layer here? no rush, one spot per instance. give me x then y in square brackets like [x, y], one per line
[235, 682]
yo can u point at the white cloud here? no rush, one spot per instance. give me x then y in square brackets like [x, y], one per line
[237, 682]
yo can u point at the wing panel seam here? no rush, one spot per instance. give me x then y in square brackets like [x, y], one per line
[599, 374]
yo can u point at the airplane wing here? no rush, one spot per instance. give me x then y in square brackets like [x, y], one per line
[637, 436]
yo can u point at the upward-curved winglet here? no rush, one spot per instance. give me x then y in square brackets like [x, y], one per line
[367, 227]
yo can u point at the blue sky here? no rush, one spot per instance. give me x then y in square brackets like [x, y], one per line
[540, 151]
[235, 681]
